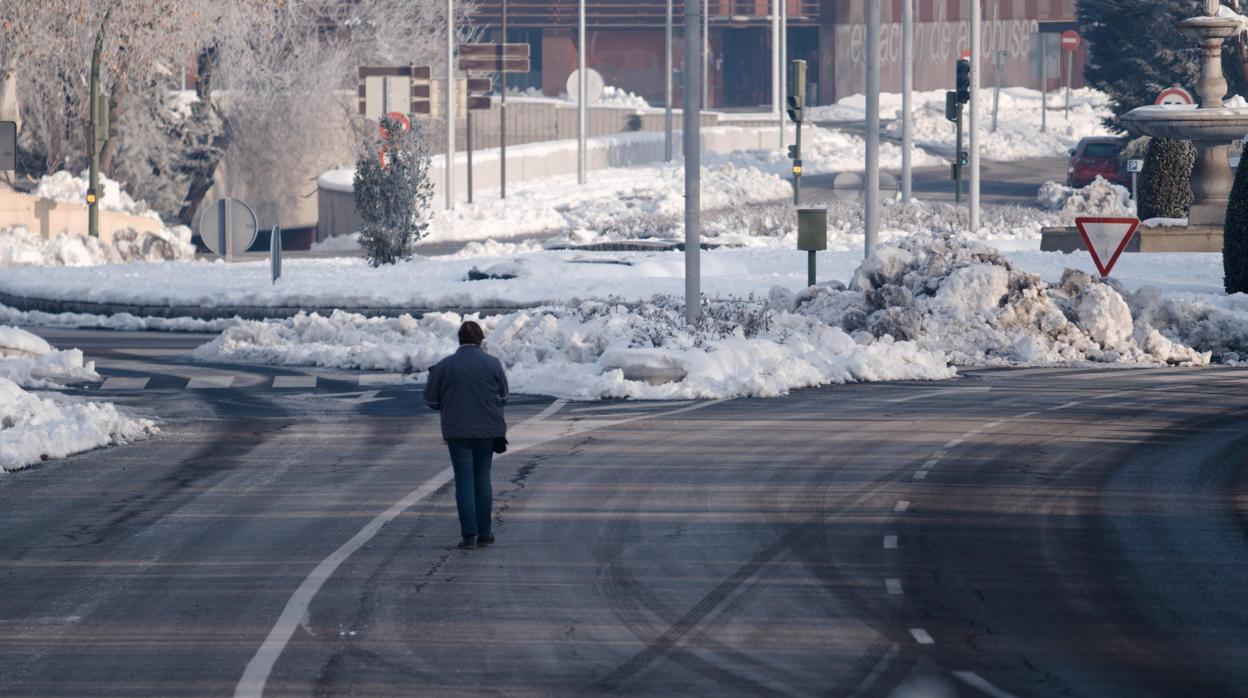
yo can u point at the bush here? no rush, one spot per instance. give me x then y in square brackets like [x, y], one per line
[393, 199]
[1235, 236]
[1166, 182]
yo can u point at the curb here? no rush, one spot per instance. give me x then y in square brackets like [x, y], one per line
[56, 307]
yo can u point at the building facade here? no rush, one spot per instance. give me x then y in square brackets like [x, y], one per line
[625, 43]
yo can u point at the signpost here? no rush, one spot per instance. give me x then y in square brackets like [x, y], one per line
[1135, 167]
[381, 90]
[1174, 96]
[228, 227]
[1106, 239]
[501, 58]
[275, 253]
[477, 98]
[1070, 43]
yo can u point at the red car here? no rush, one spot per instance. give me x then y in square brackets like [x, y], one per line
[1096, 156]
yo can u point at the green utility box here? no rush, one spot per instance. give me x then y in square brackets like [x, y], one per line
[812, 229]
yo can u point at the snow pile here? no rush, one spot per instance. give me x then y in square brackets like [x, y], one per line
[1018, 135]
[32, 428]
[66, 188]
[339, 243]
[588, 350]
[968, 300]
[120, 321]
[1100, 198]
[619, 97]
[20, 247]
[824, 151]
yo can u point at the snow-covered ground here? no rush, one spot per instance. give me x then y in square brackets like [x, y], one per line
[1018, 135]
[35, 428]
[915, 309]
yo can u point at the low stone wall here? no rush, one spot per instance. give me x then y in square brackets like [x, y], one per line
[49, 218]
[336, 207]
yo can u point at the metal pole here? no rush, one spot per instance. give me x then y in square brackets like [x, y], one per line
[1044, 83]
[667, 86]
[450, 104]
[871, 210]
[776, 68]
[976, 56]
[706, 53]
[784, 60]
[582, 109]
[693, 165]
[998, 60]
[94, 144]
[907, 88]
[1070, 77]
[502, 114]
[468, 145]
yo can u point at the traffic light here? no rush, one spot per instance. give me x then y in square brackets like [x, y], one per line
[953, 108]
[794, 154]
[964, 159]
[964, 81]
[797, 90]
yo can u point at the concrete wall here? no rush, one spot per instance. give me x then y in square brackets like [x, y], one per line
[49, 218]
[538, 160]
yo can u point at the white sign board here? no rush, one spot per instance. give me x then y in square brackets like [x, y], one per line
[1134, 166]
[1106, 239]
[594, 85]
[385, 94]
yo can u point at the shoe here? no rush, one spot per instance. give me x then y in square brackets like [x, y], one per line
[468, 543]
[485, 540]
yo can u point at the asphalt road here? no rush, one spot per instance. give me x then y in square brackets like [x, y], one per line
[1001, 183]
[1055, 532]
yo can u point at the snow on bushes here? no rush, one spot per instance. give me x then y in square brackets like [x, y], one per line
[1100, 198]
[64, 187]
[968, 300]
[20, 247]
[33, 428]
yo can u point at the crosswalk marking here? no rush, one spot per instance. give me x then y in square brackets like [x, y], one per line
[380, 378]
[124, 383]
[205, 382]
[294, 381]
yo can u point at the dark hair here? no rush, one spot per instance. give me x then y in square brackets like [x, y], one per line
[471, 333]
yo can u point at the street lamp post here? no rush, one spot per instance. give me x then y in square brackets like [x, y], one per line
[693, 163]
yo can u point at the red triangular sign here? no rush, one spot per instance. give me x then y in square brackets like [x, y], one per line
[1106, 238]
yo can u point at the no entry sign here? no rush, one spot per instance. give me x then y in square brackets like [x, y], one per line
[1175, 96]
[1070, 40]
[1106, 239]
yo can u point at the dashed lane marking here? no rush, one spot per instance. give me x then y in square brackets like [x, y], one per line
[209, 382]
[380, 379]
[901, 505]
[920, 474]
[981, 684]
[933, 393]
[1073, 403]
[920, 636]
[124, 383]
[890, 542]
[893, 586]
[281, 382]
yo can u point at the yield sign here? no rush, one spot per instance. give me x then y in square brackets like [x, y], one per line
[1106, 238]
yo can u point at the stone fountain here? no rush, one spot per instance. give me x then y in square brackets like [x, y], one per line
[1211, 127]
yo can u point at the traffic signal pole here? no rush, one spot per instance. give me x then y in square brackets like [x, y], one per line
[976, 31]
[871, 212]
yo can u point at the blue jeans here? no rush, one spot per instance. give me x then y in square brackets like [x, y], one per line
[474, 496]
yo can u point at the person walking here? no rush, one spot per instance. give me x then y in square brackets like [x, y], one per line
[469, 389]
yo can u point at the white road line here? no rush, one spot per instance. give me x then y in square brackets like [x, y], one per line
[929, 464]
[207, 382]
[954, 443]
[1025, 415]
[893, 586]
[921, 636]
[901, 505]
[380, 379]
[931, 393]
[981, 684]
[1066, 406]
[993, 425]
[294, 381]
[527, 435]
[124, 383]
[920, 475]
[890, 542]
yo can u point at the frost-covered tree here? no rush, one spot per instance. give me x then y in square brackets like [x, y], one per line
[1135, 52]
[393, 191]
[1235, 236]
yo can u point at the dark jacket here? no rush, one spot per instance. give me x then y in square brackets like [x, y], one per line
[469, 388]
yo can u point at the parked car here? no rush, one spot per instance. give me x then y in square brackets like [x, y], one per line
[1096, 156]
